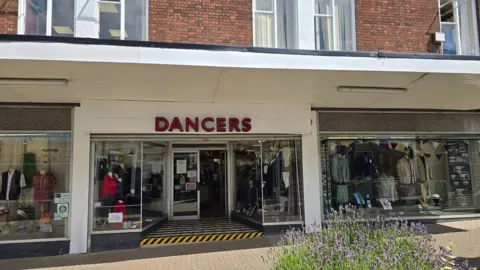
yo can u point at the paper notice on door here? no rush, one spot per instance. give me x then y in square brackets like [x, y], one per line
[192, 173]
[182, 166]
[191, 186]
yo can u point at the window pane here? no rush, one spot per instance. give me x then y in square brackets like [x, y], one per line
[135, 20]
[117, 183]
[247, 179]
[450, 44]
[153, 188]
[408, 178]
[264, 30]
[323, 33]
[63, 18]
[109, 18]
[282, 185]
[467, 25]
[34, 196]
[286, 24]
[36, 17]
[344, 32]
[264, 5]
[323, 7]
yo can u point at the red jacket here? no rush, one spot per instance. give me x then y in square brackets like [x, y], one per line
[109, 186]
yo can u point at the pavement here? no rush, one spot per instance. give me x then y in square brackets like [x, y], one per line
[251, 254]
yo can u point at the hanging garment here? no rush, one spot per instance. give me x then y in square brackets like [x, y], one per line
[436, 168]
[364, 166]
[341, 176]
[43, 187]
[12, 184]
[386, 187]
[109, 186]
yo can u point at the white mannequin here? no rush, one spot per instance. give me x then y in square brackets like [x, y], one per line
[42, 172]
[110, 174]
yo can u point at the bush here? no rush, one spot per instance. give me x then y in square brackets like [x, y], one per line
[357, 243]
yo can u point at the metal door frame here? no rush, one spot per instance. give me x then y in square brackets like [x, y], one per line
[169, 185]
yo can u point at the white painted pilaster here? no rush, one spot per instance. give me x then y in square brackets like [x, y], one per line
[312, 188]
[306, 25]
[86, 18]
[80, 185]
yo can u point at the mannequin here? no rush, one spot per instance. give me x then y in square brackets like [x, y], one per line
[108, 194]
[43, 183]
[13, 182]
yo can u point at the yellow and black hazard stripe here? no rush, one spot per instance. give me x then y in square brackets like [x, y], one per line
[198, 238]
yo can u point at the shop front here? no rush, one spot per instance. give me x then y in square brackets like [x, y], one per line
[418, 166]
[35, 151]
[152, 162]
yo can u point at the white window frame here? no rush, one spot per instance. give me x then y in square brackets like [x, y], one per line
[332, 16]
[456, 16]
[274, 13]
[22, 9]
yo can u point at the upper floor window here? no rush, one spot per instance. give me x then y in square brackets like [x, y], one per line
[335, 25]
[106, 19]
[275, 23]
[122, 19]
[48, 17]
[458, 23]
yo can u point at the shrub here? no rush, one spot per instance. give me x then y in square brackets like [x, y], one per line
[354, 242]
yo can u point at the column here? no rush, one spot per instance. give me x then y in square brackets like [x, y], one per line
[79, 188]
[86, 19]
[312, 188]
[306, 25]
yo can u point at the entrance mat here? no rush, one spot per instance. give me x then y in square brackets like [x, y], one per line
[198, 238]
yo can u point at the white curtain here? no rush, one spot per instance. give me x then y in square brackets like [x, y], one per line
[466, 24]
[264, 23]
[264, 30]
[343, 11]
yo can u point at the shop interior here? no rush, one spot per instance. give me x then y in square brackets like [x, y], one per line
[412, 177]
[213, 183]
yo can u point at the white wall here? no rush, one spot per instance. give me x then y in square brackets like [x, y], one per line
[132, 117]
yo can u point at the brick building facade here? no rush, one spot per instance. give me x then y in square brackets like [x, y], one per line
[380, 25]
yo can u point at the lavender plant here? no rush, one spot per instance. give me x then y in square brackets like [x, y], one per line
[354, 242]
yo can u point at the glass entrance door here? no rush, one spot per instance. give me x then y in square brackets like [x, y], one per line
[186, 199]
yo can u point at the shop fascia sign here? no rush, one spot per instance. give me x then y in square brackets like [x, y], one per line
[202, 124]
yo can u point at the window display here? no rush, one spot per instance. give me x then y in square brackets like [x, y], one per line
[117, 192]
[34, 188]
[268, 180]
[128, 191]
[425, 177]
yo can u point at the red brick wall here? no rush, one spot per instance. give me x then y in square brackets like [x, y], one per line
[396, 25]
[220, 22]
[8, 16]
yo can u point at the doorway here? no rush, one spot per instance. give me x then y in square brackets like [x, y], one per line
[212, 183]
[199, 183]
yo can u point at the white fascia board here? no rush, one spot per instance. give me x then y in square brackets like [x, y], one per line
[226, 59]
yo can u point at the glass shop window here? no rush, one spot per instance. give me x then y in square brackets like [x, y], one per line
[117, 186]
[409, 178]
[34, 188]
[268, 179]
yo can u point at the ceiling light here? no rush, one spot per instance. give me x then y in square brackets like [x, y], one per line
[63, 30]
[30, 81]
[116, 33]
[374, 90]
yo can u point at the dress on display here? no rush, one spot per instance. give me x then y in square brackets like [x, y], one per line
[341, 176]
